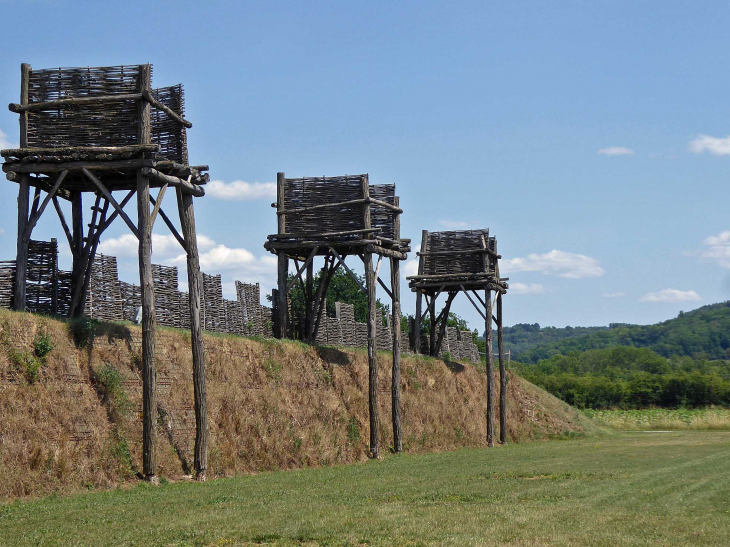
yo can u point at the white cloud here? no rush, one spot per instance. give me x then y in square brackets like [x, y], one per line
[410, 267]
[239, 190]
[560, 263]
[613, 294]
[718, 146]
[616, 151]
[163, 246]
[723, 238]
[717, 249]
[233, 262]
[526, 288]
[5, 141]
[2, 231]
[453, 223]
[671, 295]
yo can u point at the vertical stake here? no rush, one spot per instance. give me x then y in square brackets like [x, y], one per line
[502, 376]
[21, 259]
[187, 224]
[490, 368]
[149, 374]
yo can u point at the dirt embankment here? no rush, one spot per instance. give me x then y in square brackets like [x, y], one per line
[71, 417]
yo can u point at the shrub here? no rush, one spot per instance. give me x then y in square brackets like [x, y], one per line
[42, 345]
[353, 431]
[109, 383]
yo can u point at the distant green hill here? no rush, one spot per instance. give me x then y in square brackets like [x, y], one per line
[701, 333]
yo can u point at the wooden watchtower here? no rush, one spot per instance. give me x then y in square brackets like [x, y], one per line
[463, 261]
[337, 217]
[100, 131]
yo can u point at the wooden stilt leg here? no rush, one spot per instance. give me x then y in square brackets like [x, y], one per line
[187, 222]
[490, 368]
[395, 384]
[417, 326]
[21, 260]
[432, 334]
[77, 230]
[372, 358]
[282, 304]
[149, 375]
[502, 376]
[308, 295]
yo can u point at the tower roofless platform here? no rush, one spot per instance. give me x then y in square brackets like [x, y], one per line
[99, 130]
[336, 217]
[463, 261]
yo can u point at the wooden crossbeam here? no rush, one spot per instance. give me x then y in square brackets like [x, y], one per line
[111, 200]
[482, 302]
[385, 288]
[37, 212]
[349, 271]
[443, 318]
[184, 185]
[66, 230]
[474, 303]
[159, 106]
[380, 281]
[156, 208]
[459, 252]
[298, 275]
[171, 226]
[73, 101]
[115, 214]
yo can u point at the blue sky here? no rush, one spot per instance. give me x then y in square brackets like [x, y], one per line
[590, 137]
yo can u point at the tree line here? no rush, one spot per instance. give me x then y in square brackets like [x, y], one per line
[628, 377]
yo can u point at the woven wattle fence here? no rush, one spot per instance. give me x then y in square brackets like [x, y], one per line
[112, 300]
[41, 285]
[458, 344]
[104, 298]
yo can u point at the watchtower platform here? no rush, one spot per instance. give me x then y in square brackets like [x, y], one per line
[98, 131]
[462, 261]
[335, 218]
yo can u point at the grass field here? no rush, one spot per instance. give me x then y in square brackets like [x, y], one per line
[664, 419]
[627, 489]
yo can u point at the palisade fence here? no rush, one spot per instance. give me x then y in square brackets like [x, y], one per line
[49, 291]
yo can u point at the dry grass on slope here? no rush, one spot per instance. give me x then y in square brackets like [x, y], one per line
[272, 405]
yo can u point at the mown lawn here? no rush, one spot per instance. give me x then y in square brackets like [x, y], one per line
[622, 489]
[709, 418]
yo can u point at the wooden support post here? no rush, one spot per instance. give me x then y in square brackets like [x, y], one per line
[432, 319]
[502, 376]
[283, 262]
[21, 259]
[187, 224]
[370, 285]
[149, 375]
[372, 358]
[77, 230]
[419, 295]
[416, 335]
[490, 369]
[282, 304]
[308, 295]
[395, 385]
